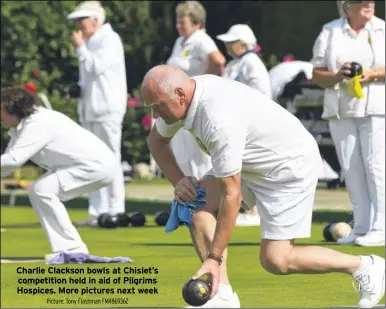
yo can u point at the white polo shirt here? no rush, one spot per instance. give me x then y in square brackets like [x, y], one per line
[284, 72]
[244, 131]
[54, 142]
[191, 54]
[336, 44]
[250, 70]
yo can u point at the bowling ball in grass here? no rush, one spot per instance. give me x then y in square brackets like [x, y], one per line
[340, 230]
[107, 221]
[161, 218]
[327, 232]
[123, 219]
[138, 219]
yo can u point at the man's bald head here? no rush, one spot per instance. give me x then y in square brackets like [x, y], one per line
[168, 90]
[164, 79]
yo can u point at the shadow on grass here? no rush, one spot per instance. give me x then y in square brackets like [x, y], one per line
[329, 216]
[22, 225]
[37, 225]
[21, 259]
[233, 244]
[319, 216]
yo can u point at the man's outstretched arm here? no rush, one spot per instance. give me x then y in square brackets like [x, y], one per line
[230, 202]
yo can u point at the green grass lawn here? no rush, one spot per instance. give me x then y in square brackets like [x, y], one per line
[174, 257]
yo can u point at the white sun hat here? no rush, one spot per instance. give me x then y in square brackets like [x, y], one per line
[239, 32]
[89, 9]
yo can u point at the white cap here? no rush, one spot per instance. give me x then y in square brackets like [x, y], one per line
[89, 9]
[239, 33]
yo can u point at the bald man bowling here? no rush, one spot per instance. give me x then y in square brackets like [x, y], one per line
[261, 154]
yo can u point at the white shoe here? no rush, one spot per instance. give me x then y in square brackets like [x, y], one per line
[248, 220]
[371, 283]
[371, 239]
[91, 221]
[348, 240]
[219, 301]
[81, 249]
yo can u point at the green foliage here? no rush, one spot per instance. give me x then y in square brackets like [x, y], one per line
[36, 46]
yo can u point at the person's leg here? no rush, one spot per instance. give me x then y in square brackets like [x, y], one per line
[280, 257]
[111, 134]
[372, 138]
[97, 200]
[53, 216]
[345, 136]
[288, 216]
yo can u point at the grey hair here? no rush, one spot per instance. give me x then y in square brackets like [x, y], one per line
[342, 8]
[165, 85]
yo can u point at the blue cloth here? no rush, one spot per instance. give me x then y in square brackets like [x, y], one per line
[79, 258]
[183, 212]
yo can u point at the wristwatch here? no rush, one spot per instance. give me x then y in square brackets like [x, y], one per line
[215, 257]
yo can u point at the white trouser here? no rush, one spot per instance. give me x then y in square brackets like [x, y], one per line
[190, 158]
[360, 147]
[46, 196]
[110, 199]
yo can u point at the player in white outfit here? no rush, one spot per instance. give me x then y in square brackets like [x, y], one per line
[261, 154]
[77, 163]
[246, 67]
[103, 102]
[195, 53]
[357, 125]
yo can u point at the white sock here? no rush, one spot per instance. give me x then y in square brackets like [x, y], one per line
[225, 290]
[365, 264]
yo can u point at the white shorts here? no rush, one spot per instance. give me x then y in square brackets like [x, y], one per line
[284, 215]
[285, 206]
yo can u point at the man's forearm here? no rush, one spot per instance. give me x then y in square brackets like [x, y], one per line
[226, 218]
[165, 159]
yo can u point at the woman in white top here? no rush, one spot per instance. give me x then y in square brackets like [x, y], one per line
[247, 68]
[357, 125]
[195, 53]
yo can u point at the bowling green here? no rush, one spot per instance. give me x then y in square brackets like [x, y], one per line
[173, 261]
